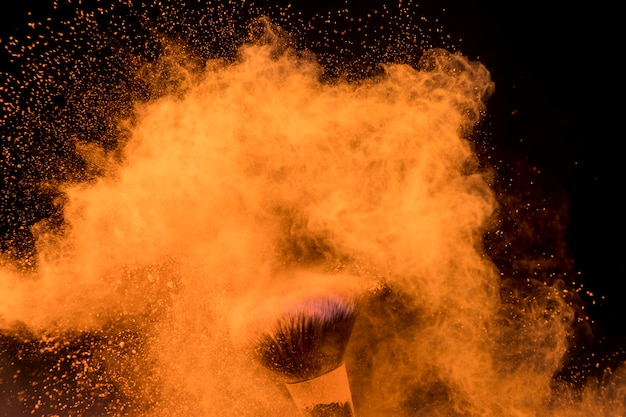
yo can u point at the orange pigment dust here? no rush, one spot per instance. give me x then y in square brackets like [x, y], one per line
[256, 180]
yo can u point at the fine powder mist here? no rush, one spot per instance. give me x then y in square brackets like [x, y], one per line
[251, 182]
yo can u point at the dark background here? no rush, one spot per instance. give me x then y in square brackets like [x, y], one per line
[552, 132]
[555, 111]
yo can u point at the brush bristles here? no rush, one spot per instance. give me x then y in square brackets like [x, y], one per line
[309, 340]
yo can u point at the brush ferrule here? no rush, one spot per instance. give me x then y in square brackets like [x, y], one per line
[325, 396]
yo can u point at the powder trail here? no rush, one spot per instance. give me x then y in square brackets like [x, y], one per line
[258, 179]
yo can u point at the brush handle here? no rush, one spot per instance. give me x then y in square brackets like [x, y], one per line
[328, 395]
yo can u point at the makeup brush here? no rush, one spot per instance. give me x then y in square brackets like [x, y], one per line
[306, 347]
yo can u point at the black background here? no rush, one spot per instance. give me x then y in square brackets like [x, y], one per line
[555, 120]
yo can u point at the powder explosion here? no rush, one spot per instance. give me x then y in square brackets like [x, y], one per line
[244, 182]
